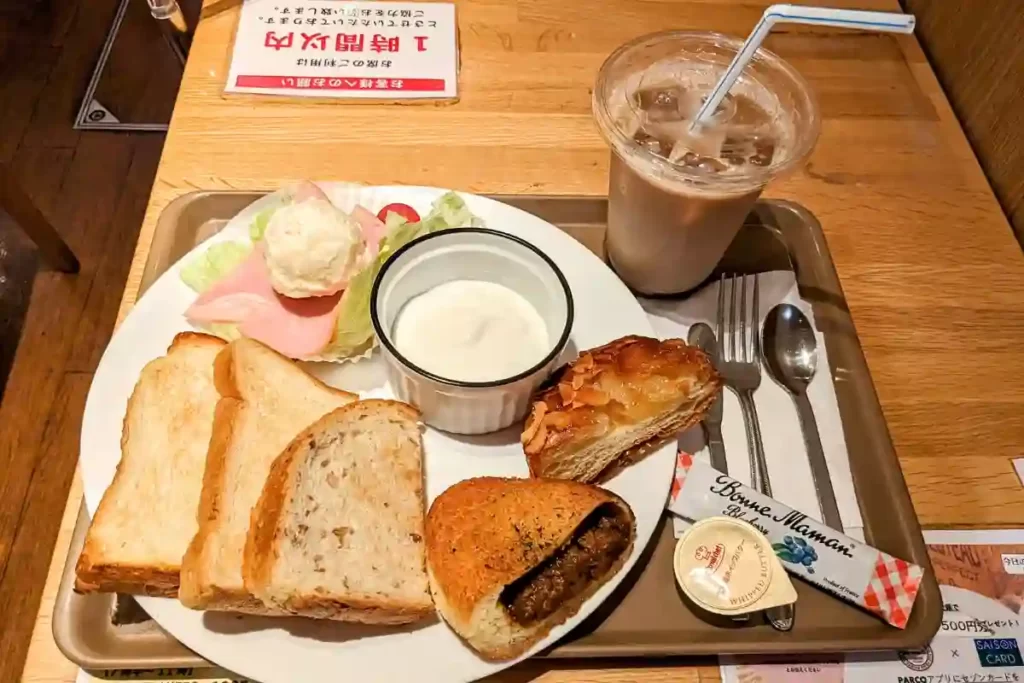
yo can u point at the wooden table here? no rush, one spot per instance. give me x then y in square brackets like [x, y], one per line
[930, 268]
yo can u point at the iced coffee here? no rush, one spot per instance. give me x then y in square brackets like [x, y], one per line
[678, 190]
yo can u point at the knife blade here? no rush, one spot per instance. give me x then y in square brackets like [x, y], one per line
[703, 337]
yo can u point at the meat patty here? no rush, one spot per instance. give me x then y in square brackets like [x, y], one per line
[590, 554]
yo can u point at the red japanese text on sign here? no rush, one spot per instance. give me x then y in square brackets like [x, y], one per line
[276, 42]
[349, 42]
[384, 44]
[315, 41]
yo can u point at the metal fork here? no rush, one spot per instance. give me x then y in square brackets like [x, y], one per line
[740, 367]
[740, 364]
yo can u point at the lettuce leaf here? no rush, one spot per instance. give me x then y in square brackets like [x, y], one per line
[260, 222]
[393, 220]
[449, 211]
[354, 331]
[213, 264]
[226, 331]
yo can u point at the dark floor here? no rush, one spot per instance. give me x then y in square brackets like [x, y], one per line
[93, 187]
[18, 264]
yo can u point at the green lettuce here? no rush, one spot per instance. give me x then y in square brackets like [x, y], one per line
[260, 222]
[354, 332]
[213, 264]
[226, 331]
[449, 211]
[393, 220]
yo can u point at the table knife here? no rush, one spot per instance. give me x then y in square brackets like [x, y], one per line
[703, 337]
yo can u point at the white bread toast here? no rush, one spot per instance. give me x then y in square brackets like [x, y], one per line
[338, 530]
[266, 400]
[146, 517]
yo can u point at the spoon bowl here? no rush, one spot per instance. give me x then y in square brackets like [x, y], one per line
[789, 347]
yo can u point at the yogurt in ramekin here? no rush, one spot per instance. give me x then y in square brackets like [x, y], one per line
[470, 322]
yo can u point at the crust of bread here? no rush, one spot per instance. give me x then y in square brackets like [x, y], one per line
[264, 544]
[260, 551]
[613, 399]
[484, 533]
[99, 577]
[198, 590]
[95, 571]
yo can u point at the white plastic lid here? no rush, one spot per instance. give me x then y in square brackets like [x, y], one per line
[728, 567]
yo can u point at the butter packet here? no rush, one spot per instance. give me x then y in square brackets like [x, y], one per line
[852, 571]
[728, 567]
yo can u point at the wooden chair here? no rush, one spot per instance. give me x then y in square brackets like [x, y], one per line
[19, 206]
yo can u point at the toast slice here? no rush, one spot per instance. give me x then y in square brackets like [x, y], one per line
[164, 439]
[338, 530]
[265, 401]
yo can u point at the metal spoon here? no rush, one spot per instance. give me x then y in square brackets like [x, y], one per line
[791, 353]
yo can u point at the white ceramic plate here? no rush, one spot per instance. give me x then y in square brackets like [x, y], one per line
[289, 650]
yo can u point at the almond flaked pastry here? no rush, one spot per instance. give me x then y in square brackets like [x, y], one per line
[613, 398]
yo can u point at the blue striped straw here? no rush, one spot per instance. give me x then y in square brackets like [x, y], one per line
[884, 22]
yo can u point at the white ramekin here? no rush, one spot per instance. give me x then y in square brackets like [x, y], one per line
[469, 254]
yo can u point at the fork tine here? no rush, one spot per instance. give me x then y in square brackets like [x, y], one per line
[743, 320]
[720, 317]
[733, 348]
[755, 323]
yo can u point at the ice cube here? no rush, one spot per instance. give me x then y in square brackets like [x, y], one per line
[764, 151]
[745, 147]
[736, 150]
[627, 120]
[653, 144]
[725, 110]
[690, 159]
[660, 103]
[748, 112]
[702, 163]
[711, 165]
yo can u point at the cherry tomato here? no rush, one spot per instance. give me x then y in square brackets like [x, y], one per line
[403, 210]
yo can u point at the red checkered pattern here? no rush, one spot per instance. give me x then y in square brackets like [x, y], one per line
[684, 461]
[891, 591]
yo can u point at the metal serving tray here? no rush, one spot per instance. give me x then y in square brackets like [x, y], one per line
[646, 616]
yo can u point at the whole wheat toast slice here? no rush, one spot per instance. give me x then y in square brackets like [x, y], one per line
[265, 401]
[338, 531]
[147, 515]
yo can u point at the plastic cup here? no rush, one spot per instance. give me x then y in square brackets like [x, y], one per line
[670, 222]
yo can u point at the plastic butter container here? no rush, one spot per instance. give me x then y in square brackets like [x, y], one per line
[727, 567]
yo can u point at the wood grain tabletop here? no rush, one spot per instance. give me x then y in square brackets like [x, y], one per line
[930, 268]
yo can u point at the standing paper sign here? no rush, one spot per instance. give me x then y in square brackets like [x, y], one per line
[327, 48]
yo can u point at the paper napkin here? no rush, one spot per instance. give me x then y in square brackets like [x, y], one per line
[788, 467]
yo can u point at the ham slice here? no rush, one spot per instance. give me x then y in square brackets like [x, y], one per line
[307, 190]
[298, 328]
[373, 229]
